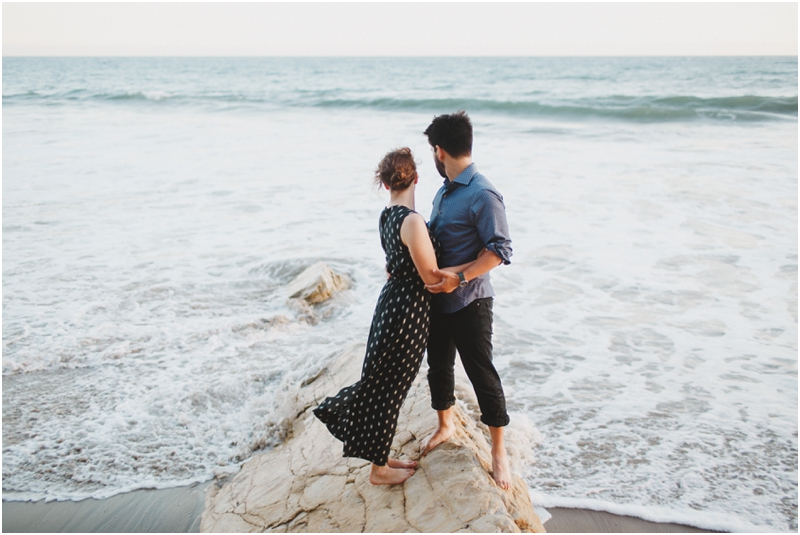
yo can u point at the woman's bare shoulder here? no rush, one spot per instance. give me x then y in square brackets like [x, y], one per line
[415, 222]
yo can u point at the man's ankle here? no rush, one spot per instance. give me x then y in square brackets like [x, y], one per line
[498, 440]
[445, 418]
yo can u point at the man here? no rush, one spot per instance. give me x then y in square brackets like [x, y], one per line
[469, 220]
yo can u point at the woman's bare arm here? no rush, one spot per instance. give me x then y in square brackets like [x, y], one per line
[414, 234]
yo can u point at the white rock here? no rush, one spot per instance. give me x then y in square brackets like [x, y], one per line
[316, 284]
[305, 485]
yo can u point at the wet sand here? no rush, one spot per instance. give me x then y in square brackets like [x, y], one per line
[175, 510]
[178, 510]
[586, 521]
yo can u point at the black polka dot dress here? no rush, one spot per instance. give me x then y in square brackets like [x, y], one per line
[364, 415]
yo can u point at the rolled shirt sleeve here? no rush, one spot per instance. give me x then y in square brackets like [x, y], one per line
[489, 213]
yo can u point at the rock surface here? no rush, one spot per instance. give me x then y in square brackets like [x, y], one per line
[305, 485]
[317, 283]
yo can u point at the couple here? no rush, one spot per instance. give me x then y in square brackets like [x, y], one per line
[423, 306]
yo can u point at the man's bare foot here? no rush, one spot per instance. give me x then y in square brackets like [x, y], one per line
[385, 475]
[442, 433]
[500, 469]
[397, 463]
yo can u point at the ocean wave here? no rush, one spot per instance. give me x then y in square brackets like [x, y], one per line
[615, 107]
[654, 109]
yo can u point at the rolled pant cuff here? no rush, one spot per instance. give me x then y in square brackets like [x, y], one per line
[498, 421]
[442, 406]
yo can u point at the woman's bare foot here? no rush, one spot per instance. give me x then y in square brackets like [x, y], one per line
[397, 463]
[385, 475]
[500, 469]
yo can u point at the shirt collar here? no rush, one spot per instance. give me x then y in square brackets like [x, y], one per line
[465, 177]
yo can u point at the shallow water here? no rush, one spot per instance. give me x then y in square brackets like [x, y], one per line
[646, 330]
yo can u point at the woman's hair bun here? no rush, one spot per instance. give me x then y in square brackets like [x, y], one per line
[397, 170]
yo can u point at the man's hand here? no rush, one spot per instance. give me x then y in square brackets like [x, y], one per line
[448, 283]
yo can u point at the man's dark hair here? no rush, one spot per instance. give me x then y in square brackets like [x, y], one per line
[451, 132]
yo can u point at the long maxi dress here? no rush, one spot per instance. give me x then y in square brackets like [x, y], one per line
[364, 415]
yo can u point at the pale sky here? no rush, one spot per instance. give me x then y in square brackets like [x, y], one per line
[398, 29]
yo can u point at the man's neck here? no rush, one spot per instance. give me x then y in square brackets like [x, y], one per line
[456, 166]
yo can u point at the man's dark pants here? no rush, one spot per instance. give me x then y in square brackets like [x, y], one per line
[469, 331]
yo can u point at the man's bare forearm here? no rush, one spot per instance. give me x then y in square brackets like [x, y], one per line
[471, 270]
[486, 262]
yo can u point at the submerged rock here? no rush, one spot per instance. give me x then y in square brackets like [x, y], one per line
[305, 485]
[317, 283]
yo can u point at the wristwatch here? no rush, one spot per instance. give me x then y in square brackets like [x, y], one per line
[462, 279]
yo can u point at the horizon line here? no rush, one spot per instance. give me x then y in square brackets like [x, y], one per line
[402, 56]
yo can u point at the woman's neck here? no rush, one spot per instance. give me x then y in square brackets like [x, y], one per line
[403, 198]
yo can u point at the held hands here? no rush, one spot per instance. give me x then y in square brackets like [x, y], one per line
[450, 280]
[448, 283]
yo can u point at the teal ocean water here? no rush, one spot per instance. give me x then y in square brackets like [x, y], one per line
[642, 90]
[646, 331]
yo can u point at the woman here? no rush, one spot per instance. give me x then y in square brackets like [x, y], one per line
[364, 415]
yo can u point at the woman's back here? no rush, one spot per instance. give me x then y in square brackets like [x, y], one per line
[399, 264]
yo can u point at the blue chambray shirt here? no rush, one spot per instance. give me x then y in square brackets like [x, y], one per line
[468, 215]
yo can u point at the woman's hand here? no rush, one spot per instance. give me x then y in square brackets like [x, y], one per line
[486, 261]
[449, 275]
[449, 282]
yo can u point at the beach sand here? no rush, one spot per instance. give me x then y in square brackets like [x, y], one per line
[586, 521]
[178, 510]
[174, 510]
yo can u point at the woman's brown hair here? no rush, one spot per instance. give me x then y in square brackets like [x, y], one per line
[397, 170]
